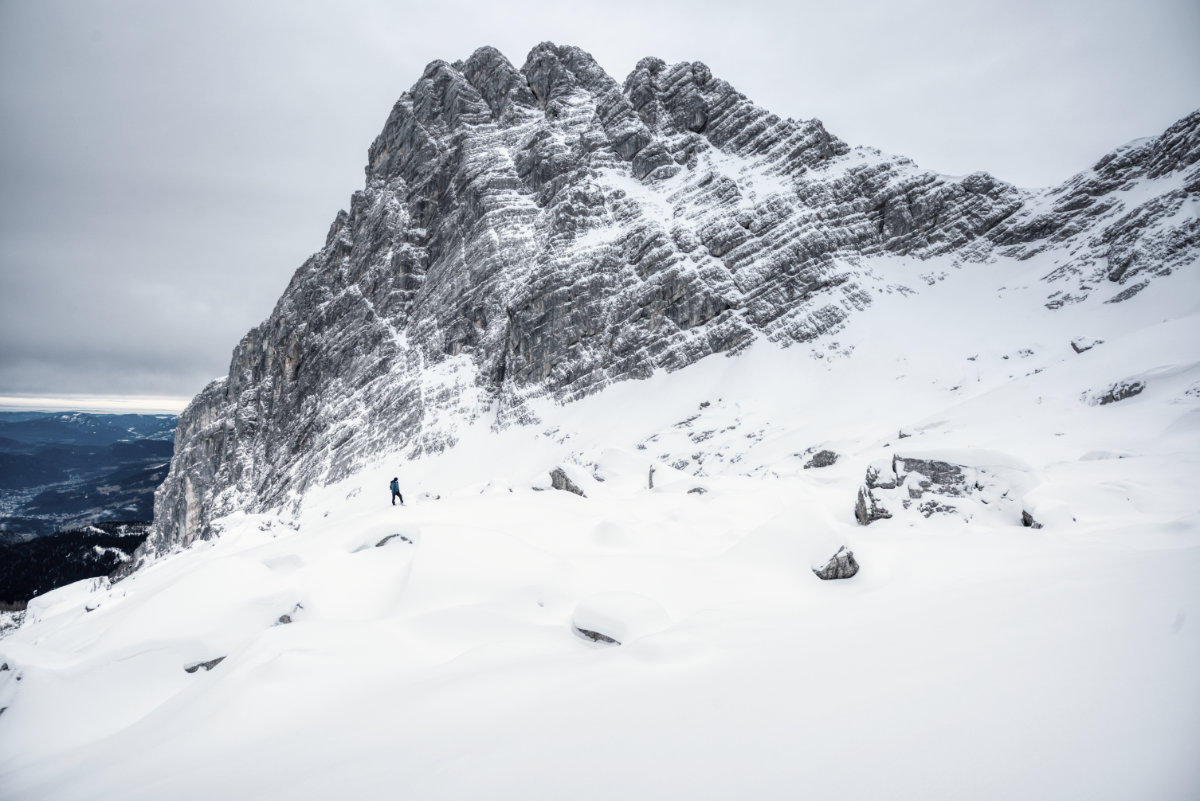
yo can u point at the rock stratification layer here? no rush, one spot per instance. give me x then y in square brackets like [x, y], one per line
[547, 231]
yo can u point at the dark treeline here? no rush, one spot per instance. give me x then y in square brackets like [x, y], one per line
[36, 566]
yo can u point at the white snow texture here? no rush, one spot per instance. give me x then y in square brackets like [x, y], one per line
[433, 651]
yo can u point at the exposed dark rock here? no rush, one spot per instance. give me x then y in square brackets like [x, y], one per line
[560, 481]
[868, 509]
[595, 636]
[841, 565]
[1028, 521]
[1128, 292]
[931, 507]
[209, 665]
[821, 459]
[941, 477]
[390, 537]
[697, 491]
[915, 478]
[1081, 344]
[1119, 392]
[288, 618]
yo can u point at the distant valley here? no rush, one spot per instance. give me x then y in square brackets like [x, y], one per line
[66, 470]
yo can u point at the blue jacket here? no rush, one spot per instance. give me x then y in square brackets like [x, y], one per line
[395, 485]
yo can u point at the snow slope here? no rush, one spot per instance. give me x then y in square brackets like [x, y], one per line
[431, 651]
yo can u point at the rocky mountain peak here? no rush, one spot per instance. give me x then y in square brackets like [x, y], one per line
[547, 231]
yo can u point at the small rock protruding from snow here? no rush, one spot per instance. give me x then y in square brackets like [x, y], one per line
[596, 636]
[561, 481]
[391, 537]
[209, 665]
[822, 458]
[1080, 344]
[841, 565]
[868, 509]
[1027, 520]
[618, 617]
[287, 618]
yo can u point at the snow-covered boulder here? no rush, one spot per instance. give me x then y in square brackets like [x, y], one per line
[615, 618]
[841, 565]
[1118, 391]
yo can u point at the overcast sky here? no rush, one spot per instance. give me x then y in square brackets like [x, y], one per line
[165, 167]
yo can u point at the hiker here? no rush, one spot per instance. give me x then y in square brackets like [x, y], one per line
[395, 485]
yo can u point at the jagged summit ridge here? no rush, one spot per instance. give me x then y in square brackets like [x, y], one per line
[547, 231]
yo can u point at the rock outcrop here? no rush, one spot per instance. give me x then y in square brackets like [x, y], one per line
[841, 565]
[824, 458]
[546, 231]
[559, 480]
[928, 486]
[1119, 391]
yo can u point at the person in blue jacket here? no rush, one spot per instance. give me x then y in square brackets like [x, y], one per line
[395, 485]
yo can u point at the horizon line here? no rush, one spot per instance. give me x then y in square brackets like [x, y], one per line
[95, 404]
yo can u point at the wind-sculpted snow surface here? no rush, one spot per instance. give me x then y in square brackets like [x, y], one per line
[547, 231]
[731, 631]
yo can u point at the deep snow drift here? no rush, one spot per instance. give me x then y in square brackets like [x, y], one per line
[439, 650]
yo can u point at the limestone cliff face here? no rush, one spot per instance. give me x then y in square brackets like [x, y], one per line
[547, 231]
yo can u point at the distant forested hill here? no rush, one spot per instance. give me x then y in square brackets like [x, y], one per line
[38, 565]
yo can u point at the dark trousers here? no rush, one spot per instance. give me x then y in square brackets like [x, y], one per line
[396, 494]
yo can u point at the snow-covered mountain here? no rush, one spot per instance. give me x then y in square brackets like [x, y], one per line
[736, 463]
[547, 232]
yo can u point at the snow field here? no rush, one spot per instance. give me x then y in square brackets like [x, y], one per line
[432, 652]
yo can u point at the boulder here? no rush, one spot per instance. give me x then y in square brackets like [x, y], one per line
[841, 565]
[821, 459]
[561, 481]
[1119, 391]
[868, 509]
[1081, 344]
